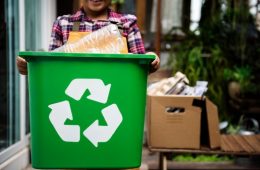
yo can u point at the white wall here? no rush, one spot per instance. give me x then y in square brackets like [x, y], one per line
[48, 15]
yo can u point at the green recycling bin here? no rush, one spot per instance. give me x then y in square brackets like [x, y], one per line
[86, 110]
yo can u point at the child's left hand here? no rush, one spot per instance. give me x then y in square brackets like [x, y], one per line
[155, 65]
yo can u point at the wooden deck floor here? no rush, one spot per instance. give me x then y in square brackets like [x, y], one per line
[241, 144]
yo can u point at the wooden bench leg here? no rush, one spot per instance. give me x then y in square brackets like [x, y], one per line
[162, 161]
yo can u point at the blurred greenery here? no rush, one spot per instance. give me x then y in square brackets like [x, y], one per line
[243, 75]
[224, 48]
[197, 65]
[201, 158]
[233, 129]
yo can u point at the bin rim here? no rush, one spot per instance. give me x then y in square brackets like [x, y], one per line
[30, 54]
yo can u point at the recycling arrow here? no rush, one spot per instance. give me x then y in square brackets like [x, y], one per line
[98, 90]
[60, 113]
[95, 133]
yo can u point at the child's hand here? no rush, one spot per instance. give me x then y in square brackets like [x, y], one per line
[155, 65]
[21, 65]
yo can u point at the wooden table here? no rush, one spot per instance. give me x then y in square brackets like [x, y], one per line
[230, 145]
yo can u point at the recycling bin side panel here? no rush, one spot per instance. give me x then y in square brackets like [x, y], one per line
[72, 126]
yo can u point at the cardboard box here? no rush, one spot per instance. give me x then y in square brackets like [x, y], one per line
[182, 122]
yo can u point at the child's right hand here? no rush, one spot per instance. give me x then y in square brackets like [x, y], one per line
[21, 65]
[155, 63]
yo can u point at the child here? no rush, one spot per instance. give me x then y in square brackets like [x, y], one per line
[94, 15]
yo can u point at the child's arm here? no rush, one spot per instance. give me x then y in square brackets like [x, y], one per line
[135, 42]
[56, 36]
[56, 41]
[134, 38]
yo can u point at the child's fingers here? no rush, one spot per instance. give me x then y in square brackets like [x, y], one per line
[156, 61]
[155, 64]
[21, 65]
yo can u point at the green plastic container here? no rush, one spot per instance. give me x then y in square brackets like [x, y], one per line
[87, 110]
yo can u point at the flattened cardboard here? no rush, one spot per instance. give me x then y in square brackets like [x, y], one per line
[213, 124]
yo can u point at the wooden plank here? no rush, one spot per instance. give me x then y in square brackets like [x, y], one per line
[239, 144]
[257, 137]
[230, 145]
[243, 143]
[140, 14]
[253, 142]
[158, 29]
[225, 146]
[227, 143]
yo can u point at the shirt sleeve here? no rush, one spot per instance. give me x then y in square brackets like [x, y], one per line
[56, 36]
[134, 38]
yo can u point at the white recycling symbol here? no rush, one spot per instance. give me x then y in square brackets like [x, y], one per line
[95, 133]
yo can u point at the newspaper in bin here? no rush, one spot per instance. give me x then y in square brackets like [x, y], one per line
[105, 40]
